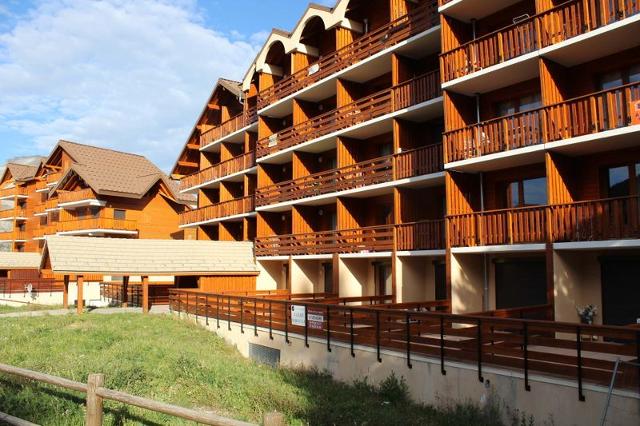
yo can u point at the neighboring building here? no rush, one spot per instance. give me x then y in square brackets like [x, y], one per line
[15, 190]
[484, 155]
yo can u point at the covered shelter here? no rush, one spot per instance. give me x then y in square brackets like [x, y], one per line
[208, 263]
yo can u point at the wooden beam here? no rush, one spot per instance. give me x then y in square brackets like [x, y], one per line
[65, 293]
[145, 295]
[125, 291]
[80, 284]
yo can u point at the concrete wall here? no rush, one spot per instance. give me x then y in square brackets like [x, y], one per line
[356, 277]
[466, 283]
[271, 275]
[91, 296]
[550, 401]
[415, 279]
[307, 276]
[576, 283]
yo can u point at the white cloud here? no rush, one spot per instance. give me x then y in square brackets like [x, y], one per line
[130, 75]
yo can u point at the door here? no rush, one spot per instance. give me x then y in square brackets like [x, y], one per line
[521, 282]
[440, 270]
[620, 290]
[383, 279]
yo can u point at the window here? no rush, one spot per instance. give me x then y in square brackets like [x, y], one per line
[527, 192]
[623, 181]
[119, 214]
[95, 212]
[618, 78]
[514, 106]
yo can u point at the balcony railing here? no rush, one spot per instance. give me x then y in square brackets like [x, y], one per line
[98, 224]
[423, 235]
[13, 213]
[371, 172]
[218, 211]
[75, 196]
[588, 114]
[44, 230]
[596, 220]
[409, 93]
[230, 126]
[14, 235]
[16, 191]
[51, 204]
[416, 22]
[217, 171]
[567, 20]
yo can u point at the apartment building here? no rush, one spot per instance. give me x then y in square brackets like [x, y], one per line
[14, 206]
[483, 153]
[541, 148]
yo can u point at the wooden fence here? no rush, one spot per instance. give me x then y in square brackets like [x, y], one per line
[38, 285]
[415, 22]
[584, 353]
[230, 126]
[217, 171]
[96, 394]
[216, 211]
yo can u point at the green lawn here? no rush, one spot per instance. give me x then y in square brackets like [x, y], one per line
[4, 309]
[172, 361]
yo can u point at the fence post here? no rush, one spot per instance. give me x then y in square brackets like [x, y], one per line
[94, 402]
[274, 419]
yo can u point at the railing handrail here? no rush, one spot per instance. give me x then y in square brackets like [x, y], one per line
[221, 203]
[510, 26]
[302, 73]
[543, 107]
[79, 195]
[220, 164]
[331, 232]
[388, 91]
[247, 115]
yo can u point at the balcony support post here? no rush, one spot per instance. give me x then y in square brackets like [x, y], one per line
[80, 285]
[65, 292]
[125, 291]
[145, 295]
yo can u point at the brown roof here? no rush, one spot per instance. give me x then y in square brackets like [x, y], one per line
[114, 173]
[22, 171]
[234, 87]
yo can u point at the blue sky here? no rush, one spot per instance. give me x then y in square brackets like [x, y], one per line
[126, 74]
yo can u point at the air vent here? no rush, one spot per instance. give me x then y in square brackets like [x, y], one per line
[264, 355]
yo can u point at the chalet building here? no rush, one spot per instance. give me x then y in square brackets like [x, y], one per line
[14, 207]
[481, 153]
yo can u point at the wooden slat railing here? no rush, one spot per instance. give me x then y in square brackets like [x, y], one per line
[218, 211]
[114, 292]
[230, 126]
[592, 113]
[360, 240]
[98, 223]
[13, 213]
[43, 230]
[545, 347]
[38, 285]
[15, 235]
[538, 312]
[567, 20]
[422, 235]
[217, 171]
[593, 220]
[613, 218]
[416, 22]
[74, 196]
[494, 227]
[15, 191]
[412, 92]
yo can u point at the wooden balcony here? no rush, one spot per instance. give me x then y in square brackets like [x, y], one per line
[371, 172]
[565, 21]
[217, 171]
[423, 235]
[218, 211]
[65, 197]
[589, 114]
[98, 224]
[44, 230]
[16, 191]
[51, 204]
[13, 213]
[407, 26]
[409, 93]
[596, 220]
[230, 126]
[14, 235]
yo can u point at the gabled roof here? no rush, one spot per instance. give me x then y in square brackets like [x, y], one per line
[114, 173]
[121, 256]
[20, 172]
[19, 260]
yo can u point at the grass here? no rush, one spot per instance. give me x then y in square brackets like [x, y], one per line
[172, 361]
[5, 309]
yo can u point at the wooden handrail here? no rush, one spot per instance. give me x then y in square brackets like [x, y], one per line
[228, 127]
[557, 24]
[233, 165]
[412, 92]
[406, 26]
[98, 223]
[220, 210]
[19, 285]
[586, 114]
[546, 347]
[94, 412]
[15, 191]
